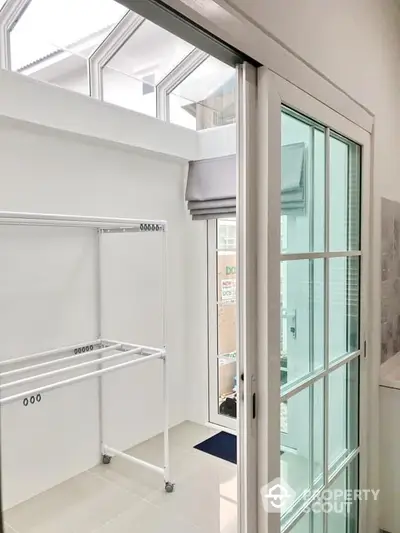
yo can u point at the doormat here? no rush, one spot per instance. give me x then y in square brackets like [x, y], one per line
[222, 445]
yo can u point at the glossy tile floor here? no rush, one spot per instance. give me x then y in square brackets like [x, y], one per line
[125, 498]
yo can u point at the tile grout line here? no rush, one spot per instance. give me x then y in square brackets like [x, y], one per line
[140, 500]
[111, 482]
[10, 527]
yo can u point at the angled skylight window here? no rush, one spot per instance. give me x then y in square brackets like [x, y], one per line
[48, 28]
[131, 75]
[207, 94]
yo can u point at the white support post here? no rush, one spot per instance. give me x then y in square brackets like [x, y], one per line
[174, 78]
[167, 479]
[166, 421]
[108, 48]
[9, 15]
[99, 334]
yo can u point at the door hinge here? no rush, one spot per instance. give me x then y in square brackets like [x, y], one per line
[254, 399]
[365, 349]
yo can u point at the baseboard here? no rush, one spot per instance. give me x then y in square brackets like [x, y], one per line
[220, 428]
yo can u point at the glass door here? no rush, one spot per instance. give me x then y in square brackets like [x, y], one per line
[317, 256]
[320, 313]
[223, 384]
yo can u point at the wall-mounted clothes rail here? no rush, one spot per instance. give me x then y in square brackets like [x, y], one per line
[95, 358]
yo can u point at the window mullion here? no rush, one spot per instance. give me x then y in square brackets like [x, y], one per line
[326, 316]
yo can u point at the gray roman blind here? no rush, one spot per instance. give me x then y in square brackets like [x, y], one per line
[211, 184]
[294, 179]
[211, 188]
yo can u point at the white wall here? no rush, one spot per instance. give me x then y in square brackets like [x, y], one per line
[47, 290]
[29, 100]
[196, 321]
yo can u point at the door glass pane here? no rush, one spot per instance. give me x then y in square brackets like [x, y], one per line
[344, 306]
[345, 193]
[343, 516]
[208, 94]
[226, 237]
[302, 318]
[226, 302]
[343, 412]
[302, 185]
[226, 307]
[319, 322]
[303, 525]
[302, 416]
[310, 523]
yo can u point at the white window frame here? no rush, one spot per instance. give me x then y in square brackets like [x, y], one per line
[273, 92]
[115, 40]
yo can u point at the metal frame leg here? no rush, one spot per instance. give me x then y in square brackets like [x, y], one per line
[169, 486]
[105, 458]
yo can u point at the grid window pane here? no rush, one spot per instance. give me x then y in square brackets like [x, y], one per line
[226, 302]
[302, 185]
[309, 523]
[303, 525]
[320, 318]
[344, 306]
[226, 234]
[344, 517]
[52, 39]
[343, 412]
[208, 95]
[302, 318]
[302, 445]
[345, 189]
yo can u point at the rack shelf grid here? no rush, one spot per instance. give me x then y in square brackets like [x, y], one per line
[97, 357]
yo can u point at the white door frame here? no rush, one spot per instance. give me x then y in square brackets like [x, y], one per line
[273, 92]
[246, 282]
[215, 418]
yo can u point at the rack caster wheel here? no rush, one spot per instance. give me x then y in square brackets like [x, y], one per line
[106, 459]
[169, 487]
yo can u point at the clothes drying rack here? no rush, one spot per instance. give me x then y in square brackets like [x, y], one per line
[104, 355]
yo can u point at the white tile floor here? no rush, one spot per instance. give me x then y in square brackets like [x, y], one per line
[125, 498]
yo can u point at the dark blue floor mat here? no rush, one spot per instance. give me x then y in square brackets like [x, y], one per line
[222, 445]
